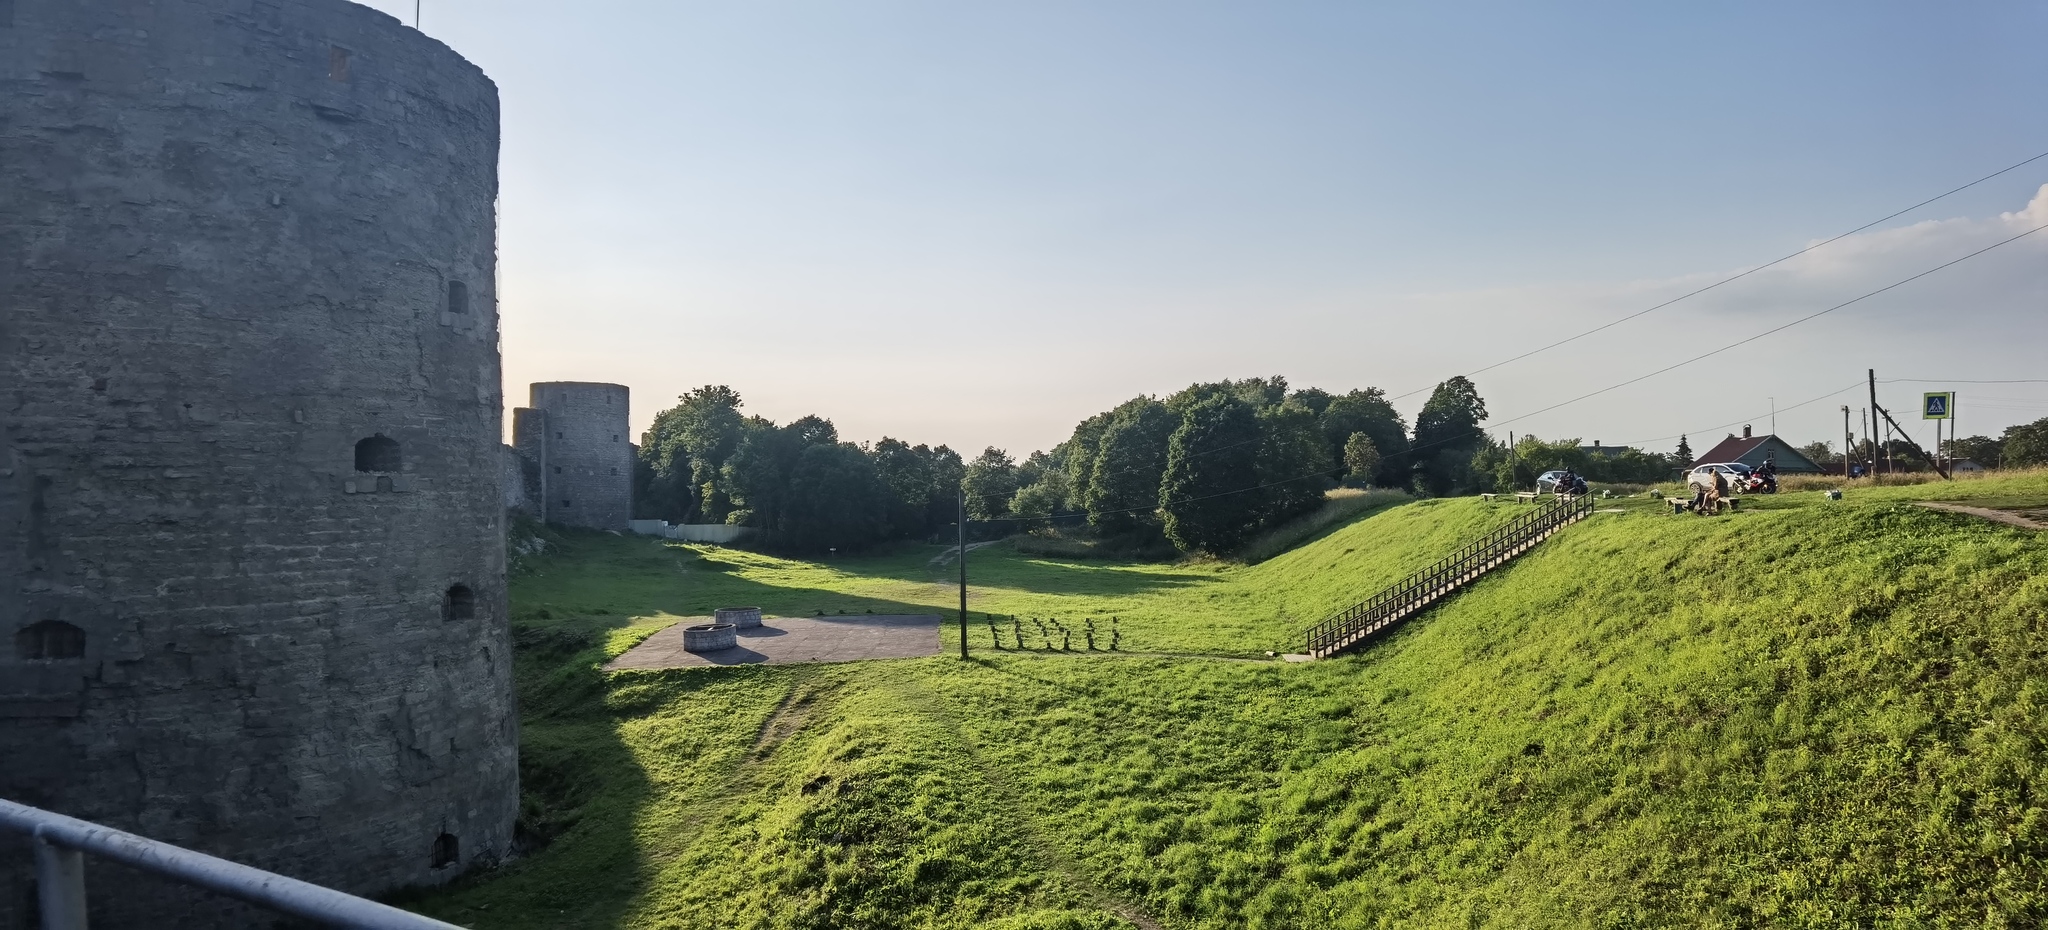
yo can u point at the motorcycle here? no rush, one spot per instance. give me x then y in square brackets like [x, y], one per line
[1760, 483]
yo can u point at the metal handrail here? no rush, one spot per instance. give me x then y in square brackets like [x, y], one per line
[61, 842]
[1426, 584]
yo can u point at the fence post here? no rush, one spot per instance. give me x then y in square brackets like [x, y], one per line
[60, 885]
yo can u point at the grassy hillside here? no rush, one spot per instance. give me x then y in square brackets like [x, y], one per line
[1808, 714]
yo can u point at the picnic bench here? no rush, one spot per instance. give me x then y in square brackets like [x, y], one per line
[1528, 497]
[1680, 504]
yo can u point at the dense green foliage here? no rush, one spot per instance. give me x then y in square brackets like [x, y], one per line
[801, 487]
[990, 484]
[1361, 460]
[1447, 435]
[1130, 463]
[1199, 495]
[1114, 468]
[1517, 468]
[2024, 446]
[1806, 714]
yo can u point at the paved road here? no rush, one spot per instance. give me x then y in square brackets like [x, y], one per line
[790, 640]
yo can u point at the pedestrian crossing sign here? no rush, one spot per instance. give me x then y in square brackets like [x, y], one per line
[1938, 405]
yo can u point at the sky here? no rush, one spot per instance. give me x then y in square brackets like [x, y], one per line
[977, 224]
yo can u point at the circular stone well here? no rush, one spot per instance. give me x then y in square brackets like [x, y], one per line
[709, 637]
[746, 618]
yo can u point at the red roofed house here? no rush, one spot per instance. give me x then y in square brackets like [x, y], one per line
[1755, 450]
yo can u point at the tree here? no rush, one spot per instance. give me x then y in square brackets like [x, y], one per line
[2024, 446]
[1129, 463]
[991, 481]
[1361, 460]
[1200, 494]
[1447, 434]
[709, 428]
[949, 475]
[1041, 487]
[835, 500]
[1294, 462]
[1368, 412]
[758, 474]
[918, 485]
[1684, 454]
[664, 481]
[1983, 450]
[1820, 453]
[1081, 449]
[1316, 400]
[1490, 464]
[1512, 470]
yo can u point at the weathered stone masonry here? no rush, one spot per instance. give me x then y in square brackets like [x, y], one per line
[574, 438]
[251, 548]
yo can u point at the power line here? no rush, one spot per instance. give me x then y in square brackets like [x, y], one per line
[1745, 274]
[1709, 430]
[1959, 380]
[1482, 431]
[1775, 329]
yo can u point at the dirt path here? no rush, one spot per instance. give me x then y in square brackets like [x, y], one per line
[2001, 516]
[952, 552]
[927, 702]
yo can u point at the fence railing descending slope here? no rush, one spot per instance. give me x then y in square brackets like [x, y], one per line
[1417, 592]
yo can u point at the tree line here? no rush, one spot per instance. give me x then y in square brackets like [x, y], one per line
[1213, 464]
[798, 485]
[1203, 469]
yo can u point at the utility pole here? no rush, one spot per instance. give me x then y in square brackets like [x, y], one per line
[1869, 464]
[1952, 434]
[1774, 416]
[1848, 442]
[1873, 421]
[963, 570]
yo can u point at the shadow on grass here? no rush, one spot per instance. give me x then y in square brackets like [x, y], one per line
[587, 799]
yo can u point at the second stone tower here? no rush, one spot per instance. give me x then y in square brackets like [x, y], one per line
[575, 434]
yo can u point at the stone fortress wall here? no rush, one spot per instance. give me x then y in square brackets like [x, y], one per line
[252, 594]
[575, 435]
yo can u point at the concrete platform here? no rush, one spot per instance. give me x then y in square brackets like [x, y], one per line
[794, 640]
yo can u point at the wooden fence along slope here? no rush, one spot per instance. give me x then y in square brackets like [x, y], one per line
[1422, 590]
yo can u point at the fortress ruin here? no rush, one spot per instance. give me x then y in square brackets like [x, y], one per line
[251, 542]
[571, 460]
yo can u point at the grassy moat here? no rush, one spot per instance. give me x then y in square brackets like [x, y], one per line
[1808, 713]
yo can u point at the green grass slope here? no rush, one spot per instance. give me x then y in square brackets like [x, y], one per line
[595, 582]
[1810, 713]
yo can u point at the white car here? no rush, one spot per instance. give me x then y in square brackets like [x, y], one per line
[1701, 475]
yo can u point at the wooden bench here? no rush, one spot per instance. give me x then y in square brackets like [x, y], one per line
[1527, 497]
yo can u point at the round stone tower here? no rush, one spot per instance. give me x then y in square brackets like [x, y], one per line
[252, 594]
[577, 432]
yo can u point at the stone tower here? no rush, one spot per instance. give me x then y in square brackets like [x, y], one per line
[252, 594]
[575, 434]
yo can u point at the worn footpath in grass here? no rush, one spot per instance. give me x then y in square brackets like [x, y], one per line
[1810, 713]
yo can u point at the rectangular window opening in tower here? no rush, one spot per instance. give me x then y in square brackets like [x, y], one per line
[458, 297]
[337, 63]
